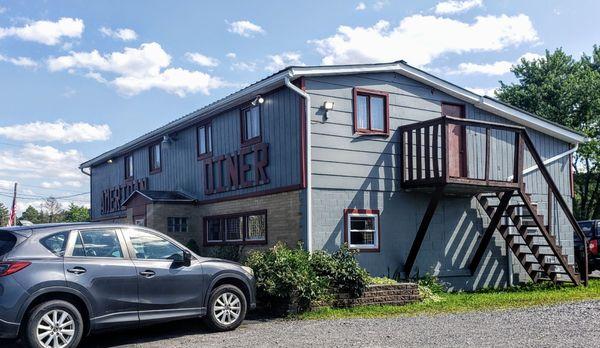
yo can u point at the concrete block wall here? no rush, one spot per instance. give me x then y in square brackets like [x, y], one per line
[283, 218]
[453, 234]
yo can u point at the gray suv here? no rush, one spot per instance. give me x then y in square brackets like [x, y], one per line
[59, 282]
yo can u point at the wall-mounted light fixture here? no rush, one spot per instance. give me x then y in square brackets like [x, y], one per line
[258, 100]
[328, 106]
[109, 161]
[167, 140]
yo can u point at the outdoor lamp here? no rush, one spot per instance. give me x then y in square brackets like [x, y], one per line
[258, 100]
[328, 106]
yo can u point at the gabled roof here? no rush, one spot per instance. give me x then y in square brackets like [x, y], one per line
[400, 67]
[160, 196]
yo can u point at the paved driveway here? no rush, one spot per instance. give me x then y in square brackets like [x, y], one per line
[564, 325]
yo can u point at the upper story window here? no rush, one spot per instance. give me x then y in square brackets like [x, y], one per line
[129, 167]
[204, 139]
[155, 158]
[251, 124]
[371, 112]
[362, 229]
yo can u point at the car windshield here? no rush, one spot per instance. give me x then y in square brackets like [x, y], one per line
[7, 242]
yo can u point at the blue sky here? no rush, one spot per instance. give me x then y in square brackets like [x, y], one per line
[78, 78]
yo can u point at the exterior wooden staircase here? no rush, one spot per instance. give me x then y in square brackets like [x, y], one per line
[529, 239]
[425, 157]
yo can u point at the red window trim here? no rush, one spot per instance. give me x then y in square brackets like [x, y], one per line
[159, 169]
[386, 112]
[128, 178]
[208, 154]
[244, 232]
[257, 139]
[363, 211]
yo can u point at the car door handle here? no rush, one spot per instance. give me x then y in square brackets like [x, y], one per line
[77, 270]
[148, 274]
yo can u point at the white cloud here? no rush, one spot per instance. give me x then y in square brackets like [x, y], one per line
[57, 131]
[46, 32]
[531, 56]
[244, 66]
[420, 39]
[231, 55]
[379, 5]
[456, 6]
[124, 34]
[361, 6]
[245, 28]
[138, 70]
[202, 60]
[280, 61]
[489, 91]
[53, 184]
[20, 61]
[2, 9]
[496, 68]
[42, 162]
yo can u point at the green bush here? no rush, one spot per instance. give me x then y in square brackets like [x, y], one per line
[284, 276]
[382, 281]
[193, 246]
[228, 252]
[287, 276]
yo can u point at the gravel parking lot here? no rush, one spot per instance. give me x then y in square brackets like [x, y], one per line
[564, 325]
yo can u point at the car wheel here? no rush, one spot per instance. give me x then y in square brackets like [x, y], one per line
[54, 324]
[226, 308]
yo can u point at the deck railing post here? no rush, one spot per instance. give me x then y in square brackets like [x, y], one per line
[519, 154]
[488, 132]
[445, 159]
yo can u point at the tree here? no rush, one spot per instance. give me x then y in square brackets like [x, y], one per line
[566, 91]
[76, 213]
[31, 214]
[4, 215]
[53, 210]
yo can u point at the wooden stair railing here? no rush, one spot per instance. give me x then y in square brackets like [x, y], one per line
[425, 164]
[540, 247]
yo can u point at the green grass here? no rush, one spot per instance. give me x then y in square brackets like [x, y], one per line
[519, 297]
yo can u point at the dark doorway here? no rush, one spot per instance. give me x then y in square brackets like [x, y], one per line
[457, 141]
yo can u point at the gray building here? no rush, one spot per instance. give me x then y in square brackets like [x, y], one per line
[420, 175]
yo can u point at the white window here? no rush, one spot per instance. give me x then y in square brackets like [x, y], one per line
[362, 229]
[204, 140]
[177, 224]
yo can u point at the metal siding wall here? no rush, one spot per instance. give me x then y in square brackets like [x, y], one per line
[363, 172]
[181, 171]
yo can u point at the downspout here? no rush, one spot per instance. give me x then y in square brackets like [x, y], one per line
[549, 161]
[308, 219]
[84, 172]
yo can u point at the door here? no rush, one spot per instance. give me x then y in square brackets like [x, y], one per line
[167, 288]
[457, 141]
[97, 264]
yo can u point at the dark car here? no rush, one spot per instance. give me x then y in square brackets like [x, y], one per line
[591, 229]
[60, 282]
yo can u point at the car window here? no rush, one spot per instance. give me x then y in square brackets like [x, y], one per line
[586, 227]
[97, 243]
[151, 247]
[56, 243]
[7, 242]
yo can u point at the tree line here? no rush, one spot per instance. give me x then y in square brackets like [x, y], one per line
[50, 211]
[566, 91]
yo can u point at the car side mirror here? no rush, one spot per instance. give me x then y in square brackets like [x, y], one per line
[187, 258]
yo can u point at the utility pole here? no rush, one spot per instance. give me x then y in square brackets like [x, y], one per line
[12, 220]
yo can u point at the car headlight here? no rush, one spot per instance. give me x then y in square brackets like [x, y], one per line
[248, 270]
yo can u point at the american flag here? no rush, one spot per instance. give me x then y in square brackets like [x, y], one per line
[13, 212]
